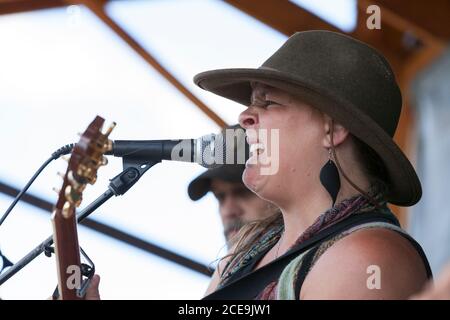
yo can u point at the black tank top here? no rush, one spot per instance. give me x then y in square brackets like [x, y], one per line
[248, 283]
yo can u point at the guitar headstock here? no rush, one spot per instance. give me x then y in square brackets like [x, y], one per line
[86, 158]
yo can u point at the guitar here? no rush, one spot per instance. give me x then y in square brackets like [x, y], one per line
[86, 158]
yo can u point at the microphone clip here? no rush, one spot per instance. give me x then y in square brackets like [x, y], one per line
[133, 169]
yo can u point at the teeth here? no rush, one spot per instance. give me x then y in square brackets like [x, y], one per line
[257, 147]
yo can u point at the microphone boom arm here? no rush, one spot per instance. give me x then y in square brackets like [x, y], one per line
[133, 170]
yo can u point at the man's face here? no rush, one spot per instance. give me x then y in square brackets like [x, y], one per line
[237, 205]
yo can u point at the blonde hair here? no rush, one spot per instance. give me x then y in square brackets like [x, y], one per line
[248, 235]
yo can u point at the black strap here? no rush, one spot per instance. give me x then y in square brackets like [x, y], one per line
[304, 269]
[307, 260]
[249, 285]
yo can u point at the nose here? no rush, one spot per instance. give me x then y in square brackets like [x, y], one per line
[248, 119]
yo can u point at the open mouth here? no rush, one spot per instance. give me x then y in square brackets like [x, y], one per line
[256, 148]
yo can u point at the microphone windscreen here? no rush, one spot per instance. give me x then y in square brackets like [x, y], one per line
[226, 148]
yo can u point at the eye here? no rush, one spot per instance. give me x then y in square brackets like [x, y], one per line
[269, 103]
[263, 103]
[220, 197]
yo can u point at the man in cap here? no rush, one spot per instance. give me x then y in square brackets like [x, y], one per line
[237, 204]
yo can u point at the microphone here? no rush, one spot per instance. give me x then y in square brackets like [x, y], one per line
[210, 151]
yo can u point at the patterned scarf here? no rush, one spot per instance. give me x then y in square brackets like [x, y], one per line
[354, 205]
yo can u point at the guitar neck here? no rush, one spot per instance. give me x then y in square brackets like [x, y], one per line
[67, 255]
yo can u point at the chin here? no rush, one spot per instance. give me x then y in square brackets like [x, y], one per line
[254, 181]
[268, 187]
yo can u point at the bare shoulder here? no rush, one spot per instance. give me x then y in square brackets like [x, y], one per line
[372, 263]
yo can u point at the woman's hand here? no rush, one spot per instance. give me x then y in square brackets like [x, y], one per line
[92, 291]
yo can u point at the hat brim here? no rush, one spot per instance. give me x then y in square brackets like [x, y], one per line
[234, 84]
[202, 184]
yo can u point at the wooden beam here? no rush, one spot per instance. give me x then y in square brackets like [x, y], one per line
[411, 58]
[431, 16]
[16, 6]
[98, 8]
[288, 18]
[397, 21]
[114, 233]
[405, 60]
[282, 15]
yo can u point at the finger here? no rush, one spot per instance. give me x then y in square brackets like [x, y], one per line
[92, 292]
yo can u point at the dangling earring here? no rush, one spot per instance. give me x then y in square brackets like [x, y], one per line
[329, 177]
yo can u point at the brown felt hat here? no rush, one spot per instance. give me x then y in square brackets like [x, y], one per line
[346, 79]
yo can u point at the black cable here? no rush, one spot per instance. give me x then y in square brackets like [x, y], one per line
[55, 155]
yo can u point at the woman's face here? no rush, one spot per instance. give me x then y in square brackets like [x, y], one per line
[295, 157]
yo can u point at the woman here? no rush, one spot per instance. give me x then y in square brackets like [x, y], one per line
[336, 105]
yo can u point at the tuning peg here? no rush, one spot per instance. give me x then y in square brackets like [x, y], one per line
[72, 196]
[104, 161]
[62, 175]
[66, 210]
[57, 190]
[110, 128]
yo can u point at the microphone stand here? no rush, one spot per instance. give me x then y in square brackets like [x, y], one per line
[133, 170]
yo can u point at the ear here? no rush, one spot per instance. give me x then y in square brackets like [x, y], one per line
[336, 129]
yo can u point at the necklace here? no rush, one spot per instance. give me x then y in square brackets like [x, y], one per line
[279, 244]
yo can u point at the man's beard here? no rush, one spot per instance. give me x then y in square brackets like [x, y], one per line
[232, 228]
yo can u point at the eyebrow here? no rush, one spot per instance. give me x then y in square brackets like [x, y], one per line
[258, 93]
[255, 97]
